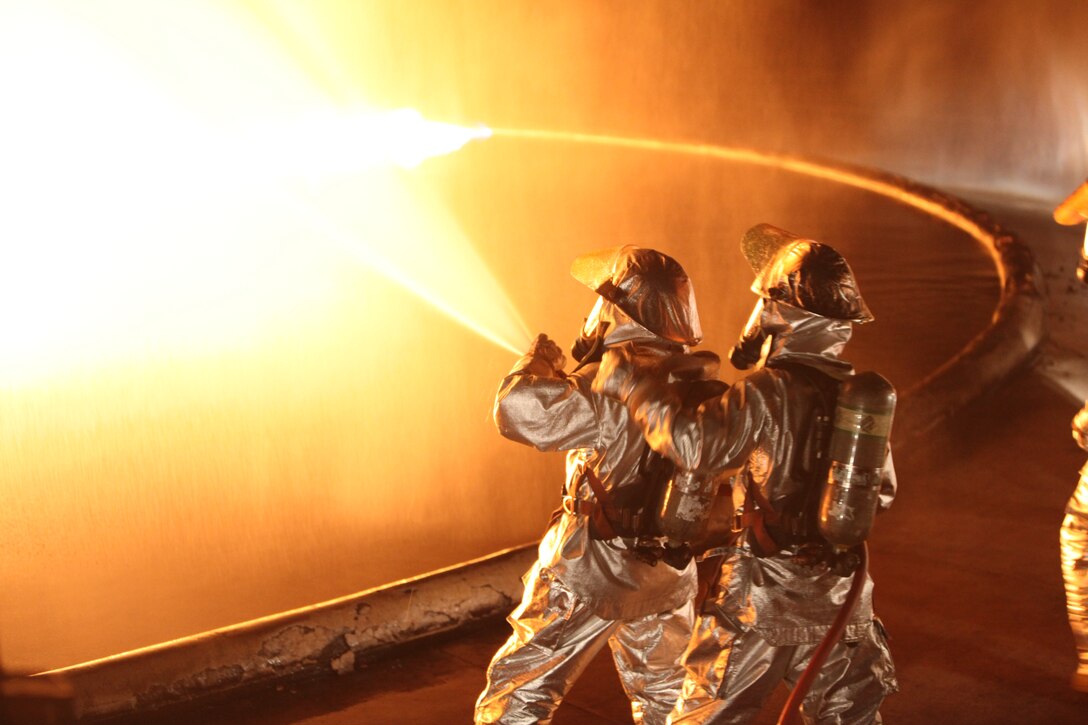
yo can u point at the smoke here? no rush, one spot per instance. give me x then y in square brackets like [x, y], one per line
[987, 95]
[981, 95]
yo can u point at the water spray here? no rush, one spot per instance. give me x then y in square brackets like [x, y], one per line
[363, 146]
[365, 252]
[888, 186]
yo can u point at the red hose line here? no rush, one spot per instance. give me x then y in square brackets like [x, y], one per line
[791, 711]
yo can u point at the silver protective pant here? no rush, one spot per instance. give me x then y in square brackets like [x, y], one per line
[556, 636]
[1074, 548]
[732, 672]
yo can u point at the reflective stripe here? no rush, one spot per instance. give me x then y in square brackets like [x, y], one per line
[863, 422]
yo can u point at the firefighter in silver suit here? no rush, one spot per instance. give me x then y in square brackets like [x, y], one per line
[1074, 543]
[589, 586]
[1074, 531]
[771, 598]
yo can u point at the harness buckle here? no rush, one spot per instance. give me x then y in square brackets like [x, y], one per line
[740, 522]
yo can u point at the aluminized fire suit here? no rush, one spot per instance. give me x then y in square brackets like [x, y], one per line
[1074, 548]
[583, 591]
[1074, 531]
[767, 613]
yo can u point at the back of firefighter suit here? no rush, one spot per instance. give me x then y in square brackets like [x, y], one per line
[769, 607]
[585, 590]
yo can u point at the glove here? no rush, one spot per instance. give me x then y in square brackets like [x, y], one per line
[545, 358]
[691, 366]
[745, 354]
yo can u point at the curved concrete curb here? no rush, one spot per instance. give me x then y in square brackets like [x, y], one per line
[323, 637]
[1015, 334]
[333, 635]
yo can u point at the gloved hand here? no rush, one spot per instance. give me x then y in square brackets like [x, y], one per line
[745, 353]
[545, 358]
[700, 365]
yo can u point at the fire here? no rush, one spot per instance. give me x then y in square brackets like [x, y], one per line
[1074, 210]
[153, 186]
[329, 142]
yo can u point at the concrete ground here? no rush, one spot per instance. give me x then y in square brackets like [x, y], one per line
[966, 565]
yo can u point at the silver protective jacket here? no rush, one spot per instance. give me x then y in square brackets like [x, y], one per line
[563, 414]
[756, 427]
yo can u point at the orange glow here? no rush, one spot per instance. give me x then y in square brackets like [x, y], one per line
[789, 163]
[210, 275]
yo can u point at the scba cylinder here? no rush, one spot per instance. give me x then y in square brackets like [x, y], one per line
[858, 450]
[685, 506]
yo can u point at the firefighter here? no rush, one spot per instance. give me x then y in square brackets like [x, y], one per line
[776, 587]
[1074, 530]
[1074, 548]
[593, 581]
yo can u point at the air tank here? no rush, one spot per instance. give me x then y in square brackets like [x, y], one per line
[685, 505]
[861, 427]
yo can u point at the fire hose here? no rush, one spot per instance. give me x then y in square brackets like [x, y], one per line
[791, 711]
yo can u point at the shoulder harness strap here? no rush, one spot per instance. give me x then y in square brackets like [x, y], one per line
[604, 513]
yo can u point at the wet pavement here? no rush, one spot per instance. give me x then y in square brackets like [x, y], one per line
[965, 563]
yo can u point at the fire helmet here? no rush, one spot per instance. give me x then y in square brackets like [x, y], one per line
[803, 273]
[648, 286]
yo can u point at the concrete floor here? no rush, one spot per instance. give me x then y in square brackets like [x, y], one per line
[966, 566]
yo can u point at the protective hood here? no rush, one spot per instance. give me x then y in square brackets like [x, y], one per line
[804, 274]
[803, 336]
[650, 287]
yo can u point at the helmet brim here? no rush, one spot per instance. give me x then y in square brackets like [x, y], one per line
[649, 286]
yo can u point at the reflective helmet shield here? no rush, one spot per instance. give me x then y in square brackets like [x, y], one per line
[803, 273]
[649, 286]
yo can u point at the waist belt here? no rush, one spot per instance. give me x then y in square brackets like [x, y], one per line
[621, 522]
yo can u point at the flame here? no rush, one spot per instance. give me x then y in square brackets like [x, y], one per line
[152, 183]
[407, 138]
